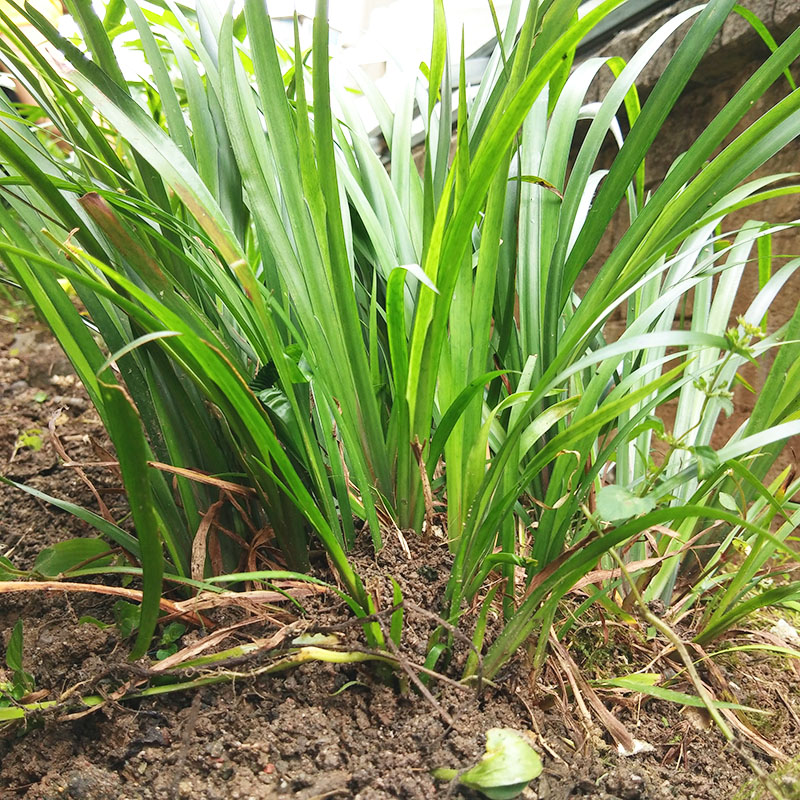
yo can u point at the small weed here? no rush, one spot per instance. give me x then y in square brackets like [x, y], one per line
[30, 439]
[21, 682]
[786, 778]
[127, 617]
[168, 643]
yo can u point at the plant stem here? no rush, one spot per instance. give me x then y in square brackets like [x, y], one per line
[708, 700]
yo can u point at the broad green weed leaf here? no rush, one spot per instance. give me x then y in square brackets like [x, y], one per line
[14, 649]
[171, 633]
[7, 570]
[617, 504]
[22, 682]
[506, 768]
[65, 556]
[30, 439]
[127, 617]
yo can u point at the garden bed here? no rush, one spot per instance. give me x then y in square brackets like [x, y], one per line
[321, 730]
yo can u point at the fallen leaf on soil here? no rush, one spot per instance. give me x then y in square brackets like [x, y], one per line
[505, 769]
[295, 589]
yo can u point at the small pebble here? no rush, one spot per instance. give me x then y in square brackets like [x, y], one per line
[78, 403]
[215, 749]
[17, 386]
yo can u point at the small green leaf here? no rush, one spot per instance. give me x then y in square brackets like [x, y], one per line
[535, 179]
[727, 501]
[127, 617]
[7, 570]
[22, 682]
[64, 556]
[726, 405]
[506, 768]
[14, 649]
[172, 633]
[30, 439]
[649, 423]
[617, 504]
[707, 460]
[40, 397]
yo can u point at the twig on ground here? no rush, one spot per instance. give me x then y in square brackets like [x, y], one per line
[581, 687]
[702, 692]
[356, 621]
[421, 687]
[537, 730]
[131, 594]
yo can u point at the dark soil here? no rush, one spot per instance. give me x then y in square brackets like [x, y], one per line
[321, 730]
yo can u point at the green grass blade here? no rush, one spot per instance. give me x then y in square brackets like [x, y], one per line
[125, 430]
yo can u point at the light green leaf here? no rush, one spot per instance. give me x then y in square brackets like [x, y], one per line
[644, 685]
[506, 768]
[62, 557]
[617, 504]
[727, 501]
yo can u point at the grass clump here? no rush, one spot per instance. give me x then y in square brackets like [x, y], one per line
[287, 337]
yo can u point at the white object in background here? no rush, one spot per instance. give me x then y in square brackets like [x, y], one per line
[786, 631]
